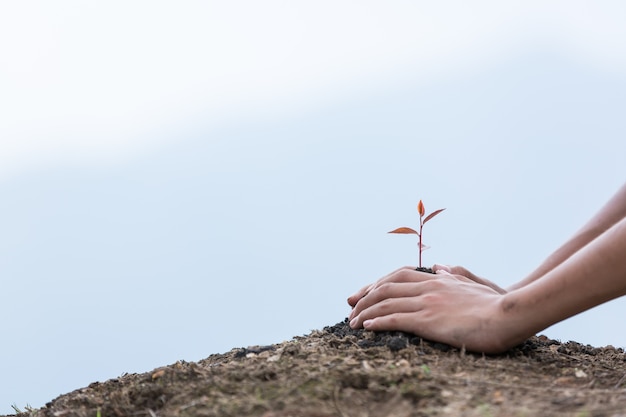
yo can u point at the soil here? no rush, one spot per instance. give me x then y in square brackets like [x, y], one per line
[342, 372]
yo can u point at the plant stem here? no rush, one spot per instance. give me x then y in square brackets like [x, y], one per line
[420, 243]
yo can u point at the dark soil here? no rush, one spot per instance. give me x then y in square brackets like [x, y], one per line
[348, 373]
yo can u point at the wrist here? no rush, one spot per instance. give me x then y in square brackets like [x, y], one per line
[516, 319]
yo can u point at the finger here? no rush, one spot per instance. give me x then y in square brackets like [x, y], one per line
[455, 270]
[459, 270]
[387, 308]
[385, 293]
[401, 321]
[406, 274]
[353, 299]
[391, 298]
[438, 267]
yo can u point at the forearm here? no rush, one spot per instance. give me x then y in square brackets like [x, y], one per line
[592, 276]
[573, 245]
[610, 214]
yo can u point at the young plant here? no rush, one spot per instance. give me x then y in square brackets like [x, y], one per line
[423, 220]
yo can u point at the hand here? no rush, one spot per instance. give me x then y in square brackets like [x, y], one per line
[459, 270]
[353, 299]
[443, 307]
[437, 268]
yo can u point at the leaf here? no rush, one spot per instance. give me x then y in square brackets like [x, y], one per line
[404, 231]
[420, 208]
[433, 214]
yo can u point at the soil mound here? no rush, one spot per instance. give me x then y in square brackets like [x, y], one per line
[342, 372]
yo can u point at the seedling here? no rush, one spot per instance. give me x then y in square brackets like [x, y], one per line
[423, 220]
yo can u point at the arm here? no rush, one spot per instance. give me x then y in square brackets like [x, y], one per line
[612, 212]
[592, 276]
[456, 310]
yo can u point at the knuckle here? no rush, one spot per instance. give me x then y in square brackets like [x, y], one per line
[403, 275]
[393, 320]
[386, 306]
[384, 290]
[430, 298]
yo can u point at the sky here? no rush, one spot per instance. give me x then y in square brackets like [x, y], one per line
[178, 180]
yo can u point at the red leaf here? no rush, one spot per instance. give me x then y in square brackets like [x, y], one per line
[405, 231]
[433, 214]
[420, 208]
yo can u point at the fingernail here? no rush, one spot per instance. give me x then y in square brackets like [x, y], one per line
[442, 272]
[438, 267]
[353, 322]
[367, 323]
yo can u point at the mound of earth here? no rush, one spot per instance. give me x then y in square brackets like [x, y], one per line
[348, 373]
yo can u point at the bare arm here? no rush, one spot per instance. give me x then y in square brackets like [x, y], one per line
[593, 275]
[460, 309]
[611, 213]
[456, 310]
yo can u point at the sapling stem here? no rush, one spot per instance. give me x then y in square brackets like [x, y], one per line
[421, 248]
[408, 230]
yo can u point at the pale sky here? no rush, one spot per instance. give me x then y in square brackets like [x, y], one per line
[95, 81]
[182, 179]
